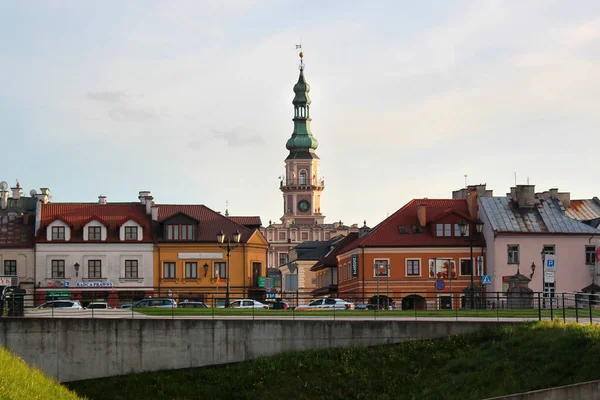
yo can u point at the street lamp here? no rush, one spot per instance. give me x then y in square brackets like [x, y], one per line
[228, 247]
[76, 266]
[471, 238]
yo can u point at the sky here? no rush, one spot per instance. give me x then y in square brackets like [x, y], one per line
[192, 100]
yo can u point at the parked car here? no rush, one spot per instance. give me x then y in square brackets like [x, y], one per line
[192, 304]
[326, 303]
[248, 303]
[126, 305]
[369, 307]
[72, 304]
[97, 304]
[278, 305]
[156, 303]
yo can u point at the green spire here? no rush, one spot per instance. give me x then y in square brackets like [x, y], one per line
[302, 140]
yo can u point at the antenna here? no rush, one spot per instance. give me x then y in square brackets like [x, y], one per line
[528, 180]
[227, 208]
[465, 180]
[33, 193]
[515, 178]
[3, 185]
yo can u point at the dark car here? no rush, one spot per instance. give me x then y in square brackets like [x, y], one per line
[278, 305]
[192, 304]
[366, 307]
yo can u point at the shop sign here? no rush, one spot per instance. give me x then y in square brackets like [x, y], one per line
[94, 284]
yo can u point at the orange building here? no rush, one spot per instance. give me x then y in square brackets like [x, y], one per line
[190, 262]
[416, 258]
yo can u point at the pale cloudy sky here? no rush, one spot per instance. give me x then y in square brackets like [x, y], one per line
[192, 99]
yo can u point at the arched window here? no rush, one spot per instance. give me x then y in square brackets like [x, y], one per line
[303, 177]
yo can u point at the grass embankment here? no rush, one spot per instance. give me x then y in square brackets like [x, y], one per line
[488, 363]
[19, 381]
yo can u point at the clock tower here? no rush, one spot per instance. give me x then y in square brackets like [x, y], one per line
[302, 185]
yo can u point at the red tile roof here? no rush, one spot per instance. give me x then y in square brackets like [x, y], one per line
[77, 215]
[247, 220]
[210, 221]
[16, 230]
[387, 233]
[330, 260]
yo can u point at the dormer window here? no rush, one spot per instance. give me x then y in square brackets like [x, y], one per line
[131, 233]
[58, 233]
[179, 232]
[443, 230]
[94, 233]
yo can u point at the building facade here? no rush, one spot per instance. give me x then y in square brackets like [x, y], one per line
[190, 262]
[94, 251]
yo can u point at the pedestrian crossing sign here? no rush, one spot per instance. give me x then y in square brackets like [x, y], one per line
[486, 280]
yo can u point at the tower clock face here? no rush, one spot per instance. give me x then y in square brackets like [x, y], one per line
[303, 205]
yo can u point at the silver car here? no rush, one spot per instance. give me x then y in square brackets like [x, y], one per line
[248, 303]
[73, 304]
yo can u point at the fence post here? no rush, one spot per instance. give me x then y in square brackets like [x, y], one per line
[551, 308]
[539, 308]
[576, 309]
[497, 306]
[590, 307]
[563, 306]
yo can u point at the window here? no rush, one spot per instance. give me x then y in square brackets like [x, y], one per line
[457, 230]
[381, 268]
[303, 177]
[283, 258]
[221, 270]
[131, 233]
[58, 268]
[191, 270]
[465, 267]
[443, 230]
[180, 232]
[169, 270]
[58, 233]
[281, 236]
[304, 235]
[94, 233]
[10, 267]
[413, 267]
[94, 269]
[590, 255]
[131, 269]
[513, 253]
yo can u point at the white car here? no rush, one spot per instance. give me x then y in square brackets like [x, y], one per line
[73, 304]
[327, 303]
[248, 303]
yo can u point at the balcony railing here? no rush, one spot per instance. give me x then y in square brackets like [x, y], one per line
[302, 182]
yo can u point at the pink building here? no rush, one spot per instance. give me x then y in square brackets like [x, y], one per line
[521, 228]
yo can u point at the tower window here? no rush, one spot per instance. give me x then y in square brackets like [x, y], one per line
[303, 177]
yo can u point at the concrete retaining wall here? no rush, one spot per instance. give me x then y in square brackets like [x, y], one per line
[579, 391]
[76, 349]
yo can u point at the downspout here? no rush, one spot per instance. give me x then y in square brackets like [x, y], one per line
[244, 271]
[158, 264]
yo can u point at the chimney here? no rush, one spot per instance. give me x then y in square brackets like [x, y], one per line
[422, 214]
[565, 198]
[489, 193]
[16, 192]
[44, 196]
[525, 196]
[513, 193]
[143, 195]
[472, 201]
[154, 212]
[101, 199]
[553, 193]
[149, 204]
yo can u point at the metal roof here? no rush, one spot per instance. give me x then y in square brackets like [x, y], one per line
[547, 216]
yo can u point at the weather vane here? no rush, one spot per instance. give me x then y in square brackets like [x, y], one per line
[299, 46]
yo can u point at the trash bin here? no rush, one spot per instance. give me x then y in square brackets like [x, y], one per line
[15, 301]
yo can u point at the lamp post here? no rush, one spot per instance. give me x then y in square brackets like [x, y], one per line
[205, 269]
[471, 238]
[76, 266]
[228, 247]
[543, 255]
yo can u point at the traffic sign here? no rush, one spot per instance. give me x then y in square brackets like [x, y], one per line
[549, 277]
[439, 284]
[550, 262]
[486, 280]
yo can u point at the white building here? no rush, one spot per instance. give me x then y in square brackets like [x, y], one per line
[95, 251]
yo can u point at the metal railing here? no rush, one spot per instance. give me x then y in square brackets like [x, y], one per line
[576, 307]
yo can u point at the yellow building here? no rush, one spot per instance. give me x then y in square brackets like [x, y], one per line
[191, 264]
